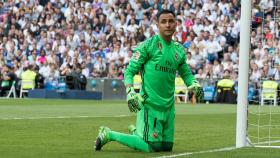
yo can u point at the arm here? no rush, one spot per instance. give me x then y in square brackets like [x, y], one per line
[139, 57]
[7, 77]
[190, 81]
[185, 72]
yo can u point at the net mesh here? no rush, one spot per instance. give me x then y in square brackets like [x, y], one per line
[263, 111]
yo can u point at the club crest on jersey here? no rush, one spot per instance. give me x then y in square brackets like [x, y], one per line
[155, 135]
[136, 55]
[176, 56]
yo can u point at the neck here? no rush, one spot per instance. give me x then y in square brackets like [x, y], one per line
[167, 39]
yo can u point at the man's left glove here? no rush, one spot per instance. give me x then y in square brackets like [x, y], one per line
[133, 99]
[198, 91]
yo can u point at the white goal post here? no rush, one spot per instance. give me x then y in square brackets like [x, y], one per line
[256, 126]
[242, 101]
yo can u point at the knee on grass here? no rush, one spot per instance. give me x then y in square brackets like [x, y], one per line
[160, 146]
[167, 146]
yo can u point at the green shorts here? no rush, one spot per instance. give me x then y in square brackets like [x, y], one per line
[155, 126]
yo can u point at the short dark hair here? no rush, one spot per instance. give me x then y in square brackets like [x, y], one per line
[165, 11]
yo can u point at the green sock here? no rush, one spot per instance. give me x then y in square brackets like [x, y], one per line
[131, 141]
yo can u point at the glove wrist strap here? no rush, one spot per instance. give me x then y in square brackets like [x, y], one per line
[129, 90]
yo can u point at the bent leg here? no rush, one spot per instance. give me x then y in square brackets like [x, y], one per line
[132, 141]
[168, 131]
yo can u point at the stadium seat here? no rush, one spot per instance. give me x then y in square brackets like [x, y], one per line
[93, 85]
[61, 87]
[269, 92]
[181, 89]
[12, 90]
[23, 84]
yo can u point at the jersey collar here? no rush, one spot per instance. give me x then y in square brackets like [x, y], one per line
[164, 42]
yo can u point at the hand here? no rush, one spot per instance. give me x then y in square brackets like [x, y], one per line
[133, 99]
[197, 89]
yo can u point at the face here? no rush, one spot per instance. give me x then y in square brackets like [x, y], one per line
[166, 25]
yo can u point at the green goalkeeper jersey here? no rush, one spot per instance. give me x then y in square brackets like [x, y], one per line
[158, 62]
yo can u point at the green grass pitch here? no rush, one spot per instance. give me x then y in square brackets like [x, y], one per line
[31, 128]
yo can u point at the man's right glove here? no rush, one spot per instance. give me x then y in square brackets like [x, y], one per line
[198, 91]
[133, 99]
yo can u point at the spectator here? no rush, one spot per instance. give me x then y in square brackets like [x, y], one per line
[276, 73]
[217, 69]
[255, 75]
[53, 73]
[72, 32]
[79, 80]
[7, 77]
[191, 62]
[39, 79]
[212, 48]
[266, 6]
[132, 27]
[200, 74]
[99, 67]
[28, 78]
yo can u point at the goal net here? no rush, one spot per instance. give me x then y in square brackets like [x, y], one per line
[263, 124]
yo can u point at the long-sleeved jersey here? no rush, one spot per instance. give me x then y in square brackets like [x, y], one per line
[158, 62]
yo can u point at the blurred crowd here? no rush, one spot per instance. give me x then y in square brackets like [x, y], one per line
[97, 37]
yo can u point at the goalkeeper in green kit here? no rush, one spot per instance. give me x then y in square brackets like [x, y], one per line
[158, 59]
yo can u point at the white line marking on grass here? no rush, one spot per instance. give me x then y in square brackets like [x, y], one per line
[198, 152]
[58, 117]
[266, 142]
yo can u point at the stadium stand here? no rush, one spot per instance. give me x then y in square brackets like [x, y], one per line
[58, 35]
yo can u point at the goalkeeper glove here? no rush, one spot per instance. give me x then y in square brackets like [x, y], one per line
[133, 99]
[197, 89]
